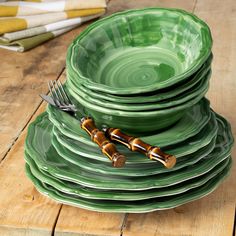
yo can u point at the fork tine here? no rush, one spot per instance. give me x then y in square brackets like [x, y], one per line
[54, 93]
[58, 91]
[50, 89]
[64, 92]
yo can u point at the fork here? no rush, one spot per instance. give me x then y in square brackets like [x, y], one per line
[63, 102]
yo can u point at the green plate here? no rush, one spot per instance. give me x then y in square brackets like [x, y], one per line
[139, 50]
[191, 124]
[198, 91]
[140, 206]
[91, 193]
[154, 96]
[40, 148]
[134, 169]
[186, 147]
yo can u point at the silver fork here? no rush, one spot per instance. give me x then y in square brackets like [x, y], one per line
[61, 100]
[60, 97]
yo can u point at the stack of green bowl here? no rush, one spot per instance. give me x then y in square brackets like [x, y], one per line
[141, 70]
[145, 72]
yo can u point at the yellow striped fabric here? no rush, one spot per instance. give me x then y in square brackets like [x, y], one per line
[25, 8]
[84, 12]
[8, 10]
[11, 24]
[26, 24]
[28, 0]
[44, 34]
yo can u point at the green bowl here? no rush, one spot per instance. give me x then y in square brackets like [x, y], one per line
[199, 90]
[133, 122]
[139, 51]
[155, 96]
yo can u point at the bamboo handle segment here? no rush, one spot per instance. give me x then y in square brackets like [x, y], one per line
[136, 144]
[107, 148]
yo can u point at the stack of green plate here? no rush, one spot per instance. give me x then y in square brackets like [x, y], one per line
[66, 165]
[168, 58]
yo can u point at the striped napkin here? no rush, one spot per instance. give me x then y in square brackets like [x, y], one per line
[24, 8]
[24, 40]
[11, 24]
[28, 23]
[9, 37]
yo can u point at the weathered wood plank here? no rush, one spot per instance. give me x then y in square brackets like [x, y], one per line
[216, 6]
[23, 211]
[121, 5]
[74, 221]
[23, 77]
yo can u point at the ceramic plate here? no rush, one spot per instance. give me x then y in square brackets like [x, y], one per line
[192, 122]
[186, 147]
[40, 148]
[91, 193]
[130, 206]
[136, 169]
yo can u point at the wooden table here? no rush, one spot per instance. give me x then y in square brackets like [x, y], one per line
[23, 211]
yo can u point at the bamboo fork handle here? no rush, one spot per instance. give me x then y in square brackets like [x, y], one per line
[98, 136]
[136, 144]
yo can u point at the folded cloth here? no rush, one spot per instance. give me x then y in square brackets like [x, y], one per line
[9, 37]
[12, 24]
[31, 42]
[30, 0]
[22, 8]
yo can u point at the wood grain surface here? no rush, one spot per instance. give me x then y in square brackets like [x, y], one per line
[23, 211]
[23, 77]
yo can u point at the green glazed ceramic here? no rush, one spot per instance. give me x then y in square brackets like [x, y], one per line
[140, 206]
[181, 149]
[133, 168]
[39, 147]
[195, 93]
[90, 193]
[139, 51]
[134, 122]
[154, 96]
[69, 172]
[192, 122]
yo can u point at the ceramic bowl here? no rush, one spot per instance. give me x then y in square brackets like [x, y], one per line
[155, 96]
[133, 122]
[199, 90]
[139, 51]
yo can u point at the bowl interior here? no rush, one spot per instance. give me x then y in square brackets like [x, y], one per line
[140, 48]
[155, 96]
